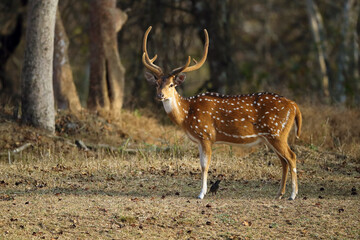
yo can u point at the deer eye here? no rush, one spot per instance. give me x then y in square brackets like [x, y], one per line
[171, 85]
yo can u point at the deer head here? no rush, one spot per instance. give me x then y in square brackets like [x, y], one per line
[166, 83]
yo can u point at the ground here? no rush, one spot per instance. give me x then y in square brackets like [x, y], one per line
[139, 179]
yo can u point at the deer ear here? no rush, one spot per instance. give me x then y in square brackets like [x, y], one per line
[150, 78]
[180, 78]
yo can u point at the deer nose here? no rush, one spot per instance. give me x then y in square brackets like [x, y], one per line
[160, 96]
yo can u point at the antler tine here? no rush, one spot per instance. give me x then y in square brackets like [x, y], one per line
[181, 69]
[153, 59]
[148, 64]
[203, 59]
[146, 60]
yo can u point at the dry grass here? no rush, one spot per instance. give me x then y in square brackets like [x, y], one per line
[330, 128]
[54, 190]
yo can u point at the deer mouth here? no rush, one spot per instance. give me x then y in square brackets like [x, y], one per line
[161, 99]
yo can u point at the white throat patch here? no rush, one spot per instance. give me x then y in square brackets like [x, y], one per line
[168, 105]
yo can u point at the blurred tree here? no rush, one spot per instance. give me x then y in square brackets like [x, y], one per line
[254, 46]
[65, 93]
[107, 74]
[348, 57]
[317, 28]
[8, 43]
[215, 17]
[37, 88]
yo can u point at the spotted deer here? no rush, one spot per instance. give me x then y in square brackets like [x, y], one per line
[212, 118]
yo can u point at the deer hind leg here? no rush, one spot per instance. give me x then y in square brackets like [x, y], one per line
[285, 154]
[285, 169]
[205, 158]
[293, 173]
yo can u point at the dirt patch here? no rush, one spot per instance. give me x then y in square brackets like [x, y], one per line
[54, 189]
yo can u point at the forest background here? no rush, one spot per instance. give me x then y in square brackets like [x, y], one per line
[307, 51]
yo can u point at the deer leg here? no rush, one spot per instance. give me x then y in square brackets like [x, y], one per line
[205, 157]
[285, 169]
[284, 152]
[292, 165]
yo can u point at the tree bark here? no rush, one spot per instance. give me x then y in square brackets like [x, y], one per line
[8, 44]
[65, 93]
[107, 74]
[348, 58]
[317, 28]
[214, 15]
[37, 88]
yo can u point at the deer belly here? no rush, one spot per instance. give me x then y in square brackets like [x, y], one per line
[191, 137]
[237, 137]
[246, 144]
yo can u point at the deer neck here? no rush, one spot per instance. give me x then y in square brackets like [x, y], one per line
[176, 108]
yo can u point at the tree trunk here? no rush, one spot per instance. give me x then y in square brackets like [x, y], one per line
[317, 28]
[37, 88]
[8, 44]
[107, 74]
[214, 15]
[348, 58]
[65, 93]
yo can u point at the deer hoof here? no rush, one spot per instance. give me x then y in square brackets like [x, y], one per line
[201, 196]
[279, 196]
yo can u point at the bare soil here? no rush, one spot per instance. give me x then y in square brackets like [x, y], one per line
[139, 180]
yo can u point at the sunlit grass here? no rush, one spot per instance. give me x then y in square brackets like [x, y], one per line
[55, 190]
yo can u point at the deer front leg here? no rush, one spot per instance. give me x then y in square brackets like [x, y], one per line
[205, 158]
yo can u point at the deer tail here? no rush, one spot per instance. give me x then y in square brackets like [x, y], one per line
[298, 121]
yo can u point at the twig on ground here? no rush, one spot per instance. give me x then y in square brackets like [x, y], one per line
[22, 148]
[16, 150]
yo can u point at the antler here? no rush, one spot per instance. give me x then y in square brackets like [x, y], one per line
[146, 60]
[149, 63]
[203, 59]
[181, 69]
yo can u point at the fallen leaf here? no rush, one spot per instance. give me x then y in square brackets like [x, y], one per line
[135, 199]
[18, 183]
[102, 210]
[246, 223]
[3, 183]
[6, 198]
